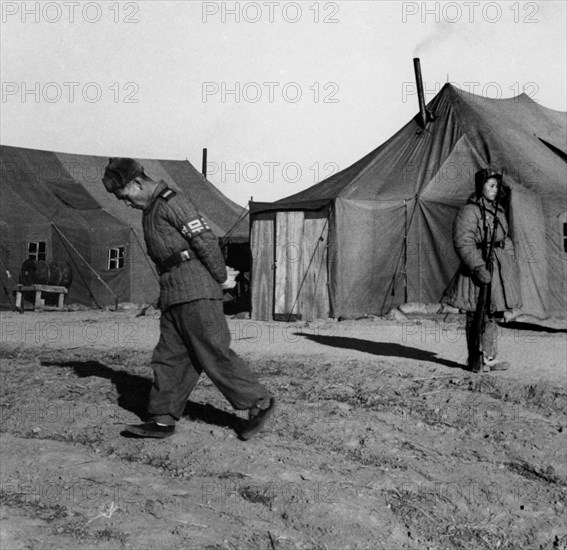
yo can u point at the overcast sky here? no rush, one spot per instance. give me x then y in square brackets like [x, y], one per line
[282, 94]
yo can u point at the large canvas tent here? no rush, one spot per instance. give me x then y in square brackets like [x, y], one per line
[379, 233]
[58, 199]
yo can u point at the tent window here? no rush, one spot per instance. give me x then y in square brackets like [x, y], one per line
[116, 257]
[36, 251]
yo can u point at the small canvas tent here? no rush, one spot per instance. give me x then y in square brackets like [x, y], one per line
[379, 233]
[55, 203]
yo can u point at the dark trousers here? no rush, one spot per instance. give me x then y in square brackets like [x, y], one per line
[489, 338]
[194, 337]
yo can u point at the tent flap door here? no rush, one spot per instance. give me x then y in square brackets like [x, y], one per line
[289, 244]
[528, 233]
[314, 291]
[262, 275]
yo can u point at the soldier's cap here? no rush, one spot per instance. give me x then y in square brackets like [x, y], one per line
[119, 172]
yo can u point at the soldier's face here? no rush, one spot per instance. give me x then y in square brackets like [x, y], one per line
[132, 195]
[490, 189]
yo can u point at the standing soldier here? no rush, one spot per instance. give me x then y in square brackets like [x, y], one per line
[194, 335]
[473, 232]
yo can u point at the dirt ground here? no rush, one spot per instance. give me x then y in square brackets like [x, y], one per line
[381, 440]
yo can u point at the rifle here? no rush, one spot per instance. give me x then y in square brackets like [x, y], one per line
[483, 302]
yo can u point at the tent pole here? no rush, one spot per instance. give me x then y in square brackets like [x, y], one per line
[406, 253]
[330, 215]
[402, 256]
[227, 235]
[90, 267]
[6, 291]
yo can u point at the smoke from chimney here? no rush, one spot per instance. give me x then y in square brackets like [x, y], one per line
[444, 30]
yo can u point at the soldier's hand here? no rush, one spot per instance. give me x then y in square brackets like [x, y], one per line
[230, 282]
[482, 275]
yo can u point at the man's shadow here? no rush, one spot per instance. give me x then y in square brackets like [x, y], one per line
[133, 391]
[384, 349]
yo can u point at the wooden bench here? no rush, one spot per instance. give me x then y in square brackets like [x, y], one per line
[39, 289]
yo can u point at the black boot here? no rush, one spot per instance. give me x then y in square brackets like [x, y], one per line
[149, 429]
